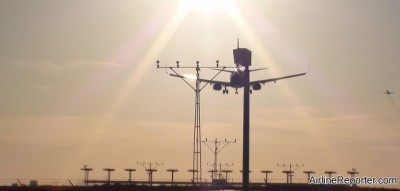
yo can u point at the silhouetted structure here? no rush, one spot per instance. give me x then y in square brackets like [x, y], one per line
[308, 172]
[109, 170]
[166, 187]
[266, 174]
[86, 175]
[329, 173]
[172, 175]
[197, 170]
[216, 150]
[226, 173]
[289, 173]
[151, 169]
[193, 172]
[130, 170]
[353, 172]
[213, 174]
[239, 78]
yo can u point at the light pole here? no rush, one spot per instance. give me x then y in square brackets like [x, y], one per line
[266, 174]
[289, 172]
[329, 173]
[86, 175]
[308, 172]
[172, 175]
[151, 169]
[109, 170]
[196, 170]
[216, 150]
[353, 172]
[130, 170]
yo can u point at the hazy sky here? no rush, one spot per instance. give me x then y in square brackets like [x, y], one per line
[79, 85]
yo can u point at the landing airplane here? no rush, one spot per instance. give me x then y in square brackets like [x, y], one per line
[388, 92]
[236, 80]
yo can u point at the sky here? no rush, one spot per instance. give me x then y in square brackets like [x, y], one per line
[79, 85]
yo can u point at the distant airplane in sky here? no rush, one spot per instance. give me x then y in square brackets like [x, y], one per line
[388, 92]
[236, 80]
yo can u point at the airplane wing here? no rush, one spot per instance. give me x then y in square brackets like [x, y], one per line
[276, 79]
[231, 71]
[215, 82]
[388, 92]
[223, 70]
[204, 80]
[258, 69]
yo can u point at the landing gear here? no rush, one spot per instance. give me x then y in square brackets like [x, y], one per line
[236, 92]
[251, 91]
[225, 91]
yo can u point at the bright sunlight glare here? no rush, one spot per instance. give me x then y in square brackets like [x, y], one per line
[207, 7]
[190, 76]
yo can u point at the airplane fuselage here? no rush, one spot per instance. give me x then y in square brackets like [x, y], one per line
[236, 79]
[388, 92]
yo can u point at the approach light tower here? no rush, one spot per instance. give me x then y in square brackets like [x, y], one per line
[172, 175]
[86, 176]
[152, 167]
[130, 170]
[196, 170]
[109, 170]
[226, 173]
[353, 172]
[266, 172]
[289, 172]
[329, 173]
[216, 150]
[308, 172]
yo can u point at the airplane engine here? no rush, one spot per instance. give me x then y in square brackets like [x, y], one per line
[256, 86]
[217, 87]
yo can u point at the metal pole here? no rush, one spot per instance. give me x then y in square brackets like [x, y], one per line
[197, 131]
[196, 168]
[246, 128]
[216, 159]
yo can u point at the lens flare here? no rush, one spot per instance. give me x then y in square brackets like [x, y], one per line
[190, 76]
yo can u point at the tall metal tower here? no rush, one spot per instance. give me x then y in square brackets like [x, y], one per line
[196, 170]
[216, 150]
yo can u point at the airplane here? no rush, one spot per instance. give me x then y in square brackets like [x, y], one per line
[236, 80]
[388, 92]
